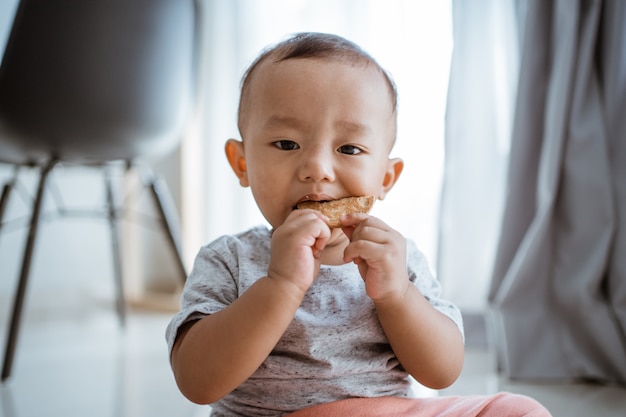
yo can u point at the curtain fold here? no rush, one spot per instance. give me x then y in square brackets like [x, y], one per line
[559, 282]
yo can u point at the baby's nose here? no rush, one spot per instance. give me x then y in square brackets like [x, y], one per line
[317, 166]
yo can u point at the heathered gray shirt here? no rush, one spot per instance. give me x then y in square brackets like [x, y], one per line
[334, 348]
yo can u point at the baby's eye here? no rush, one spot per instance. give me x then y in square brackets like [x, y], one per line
[286, 145]
[349, 150]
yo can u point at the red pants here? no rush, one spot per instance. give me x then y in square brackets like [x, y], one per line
[500, 405]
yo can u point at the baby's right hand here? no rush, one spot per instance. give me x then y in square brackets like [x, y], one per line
[296, 246]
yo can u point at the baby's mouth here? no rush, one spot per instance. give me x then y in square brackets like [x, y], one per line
[309, 198]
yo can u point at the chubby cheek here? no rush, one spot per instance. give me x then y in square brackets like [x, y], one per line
[269, 190]
[363, 182]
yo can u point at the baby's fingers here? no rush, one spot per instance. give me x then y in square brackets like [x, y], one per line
[361, 250]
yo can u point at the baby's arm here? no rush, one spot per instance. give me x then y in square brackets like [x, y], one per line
[216, 354]
[427, 343]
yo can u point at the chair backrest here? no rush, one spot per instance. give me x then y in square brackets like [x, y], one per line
[96, 80]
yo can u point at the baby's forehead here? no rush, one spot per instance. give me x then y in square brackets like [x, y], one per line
[319, 75]
[274, 70]
[273, 78]
[353, 58]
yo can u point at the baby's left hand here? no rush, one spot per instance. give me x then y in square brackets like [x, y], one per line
[380, 253]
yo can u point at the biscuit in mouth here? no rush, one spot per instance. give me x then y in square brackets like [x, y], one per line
[334, 209]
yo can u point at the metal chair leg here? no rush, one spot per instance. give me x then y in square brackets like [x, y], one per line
[115, 239]
[4, 199]
[6, 191]
[167, 212]
[23, 281]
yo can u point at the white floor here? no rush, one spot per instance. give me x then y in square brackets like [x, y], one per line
[74, 360]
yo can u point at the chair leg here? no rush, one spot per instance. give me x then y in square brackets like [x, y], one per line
[6, 191]
[4, 199]
[115, 239]
[23, 281]
[167, 212]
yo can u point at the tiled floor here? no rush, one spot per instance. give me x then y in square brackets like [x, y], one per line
[74, 360]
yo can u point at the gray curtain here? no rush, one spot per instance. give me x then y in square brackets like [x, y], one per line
[558, 292]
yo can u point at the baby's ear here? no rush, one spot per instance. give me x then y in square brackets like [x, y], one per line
[237, 160]
[394, 169]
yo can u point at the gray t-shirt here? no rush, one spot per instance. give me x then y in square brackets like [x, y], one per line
[334, 348]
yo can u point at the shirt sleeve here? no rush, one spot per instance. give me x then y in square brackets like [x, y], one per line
[211, 286]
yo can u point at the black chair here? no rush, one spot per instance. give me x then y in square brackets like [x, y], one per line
[95, 82]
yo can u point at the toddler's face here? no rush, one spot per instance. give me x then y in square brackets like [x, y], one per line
[315, 129]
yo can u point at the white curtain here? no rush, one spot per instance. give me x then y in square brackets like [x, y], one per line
[483, 80]
[412, 39]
